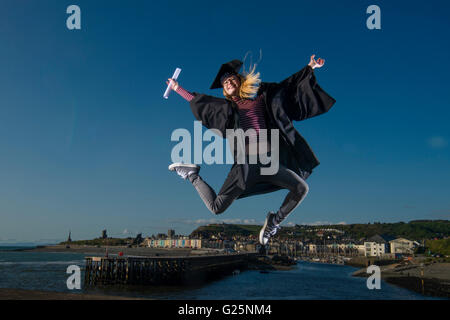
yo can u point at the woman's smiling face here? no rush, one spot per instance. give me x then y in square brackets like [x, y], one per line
[231, 85]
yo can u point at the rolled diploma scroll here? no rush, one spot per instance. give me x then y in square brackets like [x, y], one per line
[169, 87]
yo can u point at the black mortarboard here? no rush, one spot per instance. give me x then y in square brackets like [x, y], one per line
[231, 67]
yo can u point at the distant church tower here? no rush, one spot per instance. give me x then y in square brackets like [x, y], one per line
[69, 239]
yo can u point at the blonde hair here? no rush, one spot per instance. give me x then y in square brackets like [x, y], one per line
[249, 84]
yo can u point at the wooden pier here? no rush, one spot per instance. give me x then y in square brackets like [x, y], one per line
[161, 270]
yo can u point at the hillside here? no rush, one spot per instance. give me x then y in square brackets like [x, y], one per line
[413, 230]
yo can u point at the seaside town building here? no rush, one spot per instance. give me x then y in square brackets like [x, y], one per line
[174, 243]
[377, 246]
[374, 249]
[403, 246]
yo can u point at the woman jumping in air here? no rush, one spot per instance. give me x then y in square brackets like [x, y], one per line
[252, 104]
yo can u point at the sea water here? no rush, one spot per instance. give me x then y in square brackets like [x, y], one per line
[47, 272]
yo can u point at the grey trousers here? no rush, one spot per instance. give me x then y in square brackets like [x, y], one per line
[286, 178]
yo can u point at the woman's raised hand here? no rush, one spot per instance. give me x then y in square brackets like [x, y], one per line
[174, 83]
[316, 64]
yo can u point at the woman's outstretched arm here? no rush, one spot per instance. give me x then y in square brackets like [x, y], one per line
[213, 112]
[180, 90]
[303, 97]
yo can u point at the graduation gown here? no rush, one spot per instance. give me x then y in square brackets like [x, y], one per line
[296, 98]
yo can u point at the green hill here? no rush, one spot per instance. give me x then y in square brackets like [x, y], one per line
[413, 230]
[441, 246]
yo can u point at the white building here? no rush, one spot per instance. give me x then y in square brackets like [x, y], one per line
[403, 246]
[373, 249]
[377, 246]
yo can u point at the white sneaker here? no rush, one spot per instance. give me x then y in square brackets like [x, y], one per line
[269, 229]
[184, 169]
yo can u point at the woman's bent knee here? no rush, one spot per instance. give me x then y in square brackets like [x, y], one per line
[217, 210]
[218, 207]
[302, 189]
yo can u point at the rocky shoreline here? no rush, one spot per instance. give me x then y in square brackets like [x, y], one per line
[431, 279]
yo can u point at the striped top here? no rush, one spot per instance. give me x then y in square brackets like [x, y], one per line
[251, 114]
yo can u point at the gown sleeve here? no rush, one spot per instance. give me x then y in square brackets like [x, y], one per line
[215, 113]
[300, 95]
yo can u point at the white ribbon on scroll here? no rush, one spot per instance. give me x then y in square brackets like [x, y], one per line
[169, 87]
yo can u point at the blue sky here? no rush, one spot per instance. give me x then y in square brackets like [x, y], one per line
[85, 132]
